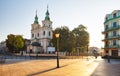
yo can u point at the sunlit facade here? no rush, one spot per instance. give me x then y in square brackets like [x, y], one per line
[112, 34]
[41, 34]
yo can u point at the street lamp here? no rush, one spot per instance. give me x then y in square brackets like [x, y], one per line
[87, 51]
[108, 57]
[57, 36]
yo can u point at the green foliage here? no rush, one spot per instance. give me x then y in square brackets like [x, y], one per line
[69, 40]
[66, 39]
[15, 42]
[10, 42]
[82, 37]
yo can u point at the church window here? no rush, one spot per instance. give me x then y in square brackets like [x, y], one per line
[43, 32]
[32, 35]
[49, 33]
[38, 34]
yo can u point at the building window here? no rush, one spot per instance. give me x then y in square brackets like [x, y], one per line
[106, 36]
[38, 34]
[106, 18]
[43, 32]
[114, 42]
[49, 33]
[114, 15]
[32, 35]
[114, 33]
[106, 27]
[114, 24]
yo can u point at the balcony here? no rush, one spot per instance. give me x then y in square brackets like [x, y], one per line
[111, 29]
[111, 19]
[111, 37]
[111, 46]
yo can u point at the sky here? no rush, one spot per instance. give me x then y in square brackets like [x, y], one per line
[16, 16]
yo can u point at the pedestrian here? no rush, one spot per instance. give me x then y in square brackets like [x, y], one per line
[95, 53]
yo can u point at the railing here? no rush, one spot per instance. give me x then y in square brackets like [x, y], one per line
[111, 19]
[111, 37]
[112, 28]
[112, 46]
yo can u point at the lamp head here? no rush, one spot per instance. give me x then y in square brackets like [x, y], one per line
[57, 35]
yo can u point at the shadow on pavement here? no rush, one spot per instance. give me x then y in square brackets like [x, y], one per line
[45, 71]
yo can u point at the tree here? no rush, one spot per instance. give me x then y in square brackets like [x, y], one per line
[10, 42]
[15, 43]
[66, 39]
[19, 43]
[82, 37]
[69, 40]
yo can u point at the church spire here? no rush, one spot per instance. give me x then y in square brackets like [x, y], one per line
[47, 14]
[36, 19]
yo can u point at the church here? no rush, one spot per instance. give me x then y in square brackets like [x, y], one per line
[41, 35]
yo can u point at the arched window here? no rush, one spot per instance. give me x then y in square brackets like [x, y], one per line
[38, 34]
[49, 33]
[43, 32]
[32, 35]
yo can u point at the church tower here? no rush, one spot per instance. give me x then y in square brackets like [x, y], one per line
[35, 29]
[46, 31]
[41, 35]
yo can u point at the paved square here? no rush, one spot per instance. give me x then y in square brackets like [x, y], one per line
[68, 67]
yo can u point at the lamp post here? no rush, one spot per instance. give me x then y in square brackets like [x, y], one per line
[108, 57]
[87, 51]
[57, 36]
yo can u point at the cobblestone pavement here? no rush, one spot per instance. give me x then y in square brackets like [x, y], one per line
[108, 69]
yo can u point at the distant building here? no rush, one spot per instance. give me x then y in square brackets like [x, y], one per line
[3, 46]
[112, 34]
[27, 42]
[40, 35]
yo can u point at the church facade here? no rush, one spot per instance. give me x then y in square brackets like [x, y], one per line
[41, 35]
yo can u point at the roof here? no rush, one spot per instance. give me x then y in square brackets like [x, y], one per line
[36, 44]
